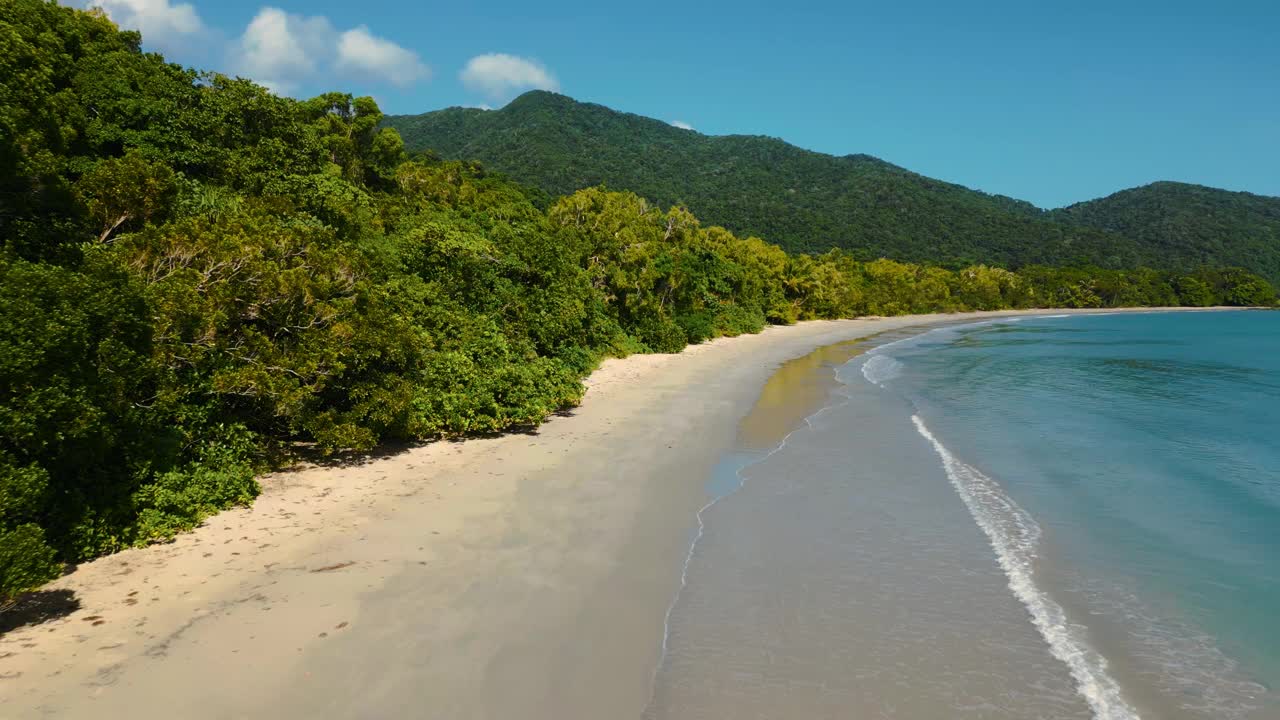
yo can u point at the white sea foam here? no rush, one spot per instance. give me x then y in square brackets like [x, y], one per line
[879, 369]
[1015, 536]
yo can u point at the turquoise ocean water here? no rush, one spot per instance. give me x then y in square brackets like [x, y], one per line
[1126, 470]
[1062, 518]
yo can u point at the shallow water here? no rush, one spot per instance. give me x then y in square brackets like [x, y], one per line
[1043, 518]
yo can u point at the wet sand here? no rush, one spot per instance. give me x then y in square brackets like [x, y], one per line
[519, 576]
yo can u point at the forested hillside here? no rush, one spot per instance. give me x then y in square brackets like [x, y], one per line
[1192, 225]
[807, 201]
[199, 279]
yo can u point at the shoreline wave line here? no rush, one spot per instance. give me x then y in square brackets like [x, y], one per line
[1014, 535]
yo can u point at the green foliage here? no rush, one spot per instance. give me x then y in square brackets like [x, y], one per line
[74, 364]
[124, 190]
[1193, 291]
[26, 562]
[198, 277]
[178, 499]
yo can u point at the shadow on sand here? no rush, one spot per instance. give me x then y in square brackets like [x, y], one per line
[38, 607]
[303, 455]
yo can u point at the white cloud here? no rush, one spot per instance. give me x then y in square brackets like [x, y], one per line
[284, 51]
[681, 124]
[280, 50]
[362, 52]
[161, 23]
[499, 76]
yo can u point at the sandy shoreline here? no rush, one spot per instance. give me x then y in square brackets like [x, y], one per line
[518, 576]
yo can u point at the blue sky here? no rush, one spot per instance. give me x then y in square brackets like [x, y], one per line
[1052, 102]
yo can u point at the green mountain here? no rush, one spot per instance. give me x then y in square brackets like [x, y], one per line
[808, 201]
[1190, 224]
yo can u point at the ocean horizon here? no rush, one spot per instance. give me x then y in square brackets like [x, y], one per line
[1054, 516]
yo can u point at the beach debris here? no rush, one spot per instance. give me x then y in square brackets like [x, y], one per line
[336, 566]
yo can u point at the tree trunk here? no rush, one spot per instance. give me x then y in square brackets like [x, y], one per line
[112, 228]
